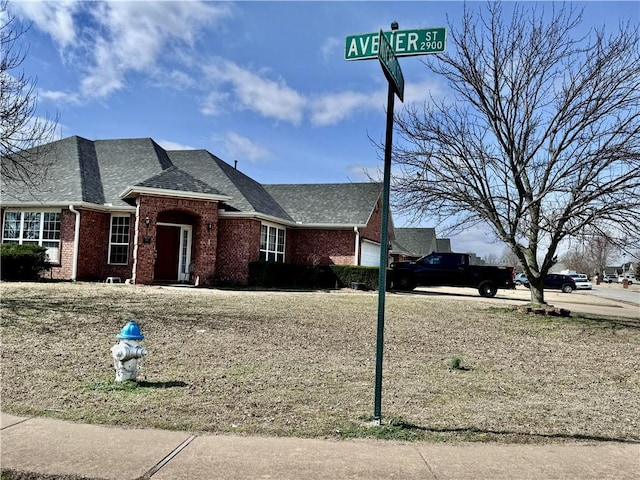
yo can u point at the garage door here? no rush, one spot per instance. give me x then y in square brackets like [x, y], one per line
[370, 255]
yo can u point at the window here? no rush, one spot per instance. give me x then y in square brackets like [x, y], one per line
[119, 240]
[34, 228]
[272, 244]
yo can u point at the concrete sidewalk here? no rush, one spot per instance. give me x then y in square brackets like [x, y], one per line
[55, 447]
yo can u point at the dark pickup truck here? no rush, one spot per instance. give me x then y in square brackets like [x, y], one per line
[452, 270]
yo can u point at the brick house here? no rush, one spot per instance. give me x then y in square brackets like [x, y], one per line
[128, 208]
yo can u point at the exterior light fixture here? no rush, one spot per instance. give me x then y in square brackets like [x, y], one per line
[209, 226]
[147, 221]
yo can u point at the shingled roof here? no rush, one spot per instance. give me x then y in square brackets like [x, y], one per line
[414, 242]
[246, 194]
[176, 180]
[100, 172]
[327, 203]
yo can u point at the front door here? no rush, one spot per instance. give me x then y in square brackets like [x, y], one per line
[168, 251]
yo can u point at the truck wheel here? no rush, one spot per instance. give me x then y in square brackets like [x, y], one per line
[404, 282]
[567, 288]
[488, 289]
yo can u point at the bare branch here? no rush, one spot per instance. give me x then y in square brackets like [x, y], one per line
[22, 131]
[541, 138]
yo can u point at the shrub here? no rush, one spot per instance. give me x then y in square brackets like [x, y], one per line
[284, 275]
[22, 262]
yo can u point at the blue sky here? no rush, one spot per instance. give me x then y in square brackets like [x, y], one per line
[263, 83]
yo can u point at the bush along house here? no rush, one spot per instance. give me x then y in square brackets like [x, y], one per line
[128, 208]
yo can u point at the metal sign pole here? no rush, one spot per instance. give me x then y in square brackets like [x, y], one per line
[384, 253]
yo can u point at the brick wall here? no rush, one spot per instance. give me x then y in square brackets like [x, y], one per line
[238, 245]
[322, 247]
[197, 213]
[331, 247]
[93, 253]
[374, 227]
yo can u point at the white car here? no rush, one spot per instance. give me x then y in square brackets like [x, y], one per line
[582, 281]
[631, 280]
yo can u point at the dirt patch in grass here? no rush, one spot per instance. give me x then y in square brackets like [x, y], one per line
[303, 364]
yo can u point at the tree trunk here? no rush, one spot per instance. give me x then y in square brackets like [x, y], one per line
[537, 291]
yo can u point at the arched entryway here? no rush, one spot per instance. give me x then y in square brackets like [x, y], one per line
[174, 240]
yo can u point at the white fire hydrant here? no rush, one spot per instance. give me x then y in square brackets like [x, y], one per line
[128, 352]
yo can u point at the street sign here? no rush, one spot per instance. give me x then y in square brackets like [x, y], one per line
[404, 43]
[390, 65]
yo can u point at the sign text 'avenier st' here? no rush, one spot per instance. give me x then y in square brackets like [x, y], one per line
[403, 42]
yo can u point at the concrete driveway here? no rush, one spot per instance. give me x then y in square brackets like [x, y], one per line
[609, 300]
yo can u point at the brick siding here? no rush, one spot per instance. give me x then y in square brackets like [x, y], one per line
[321, 247]
[238, 245]
[197, 213]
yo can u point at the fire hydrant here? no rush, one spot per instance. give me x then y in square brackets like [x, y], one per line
[128, 352]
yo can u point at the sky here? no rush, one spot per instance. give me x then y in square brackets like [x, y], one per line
[264, 83]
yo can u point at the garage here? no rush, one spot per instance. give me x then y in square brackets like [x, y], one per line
[370, 254]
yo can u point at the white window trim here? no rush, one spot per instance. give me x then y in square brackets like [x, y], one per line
[20, 240]
[267, 251]
[116, 243]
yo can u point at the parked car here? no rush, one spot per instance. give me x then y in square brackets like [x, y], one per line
[582, 281]
[453, 270]
[556, 281]
[609, 278]
[520, 279]
[631, 280]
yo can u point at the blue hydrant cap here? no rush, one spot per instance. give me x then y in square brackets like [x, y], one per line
[131, 331]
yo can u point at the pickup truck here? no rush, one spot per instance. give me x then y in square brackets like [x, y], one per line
[452, 270]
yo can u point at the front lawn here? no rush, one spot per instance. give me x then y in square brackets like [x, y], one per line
[303, 364]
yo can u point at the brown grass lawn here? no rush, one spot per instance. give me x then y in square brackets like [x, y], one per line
[302, 364]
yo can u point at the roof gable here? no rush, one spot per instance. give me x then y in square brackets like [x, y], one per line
[125, 162]
[246, 194]
[175, 179]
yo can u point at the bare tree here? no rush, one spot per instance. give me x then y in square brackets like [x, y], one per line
[576, 259]
[540, 139]
[491, 259]
[510, 259]
[21, 132]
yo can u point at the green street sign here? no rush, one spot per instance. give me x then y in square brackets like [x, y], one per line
[390, 65]
[404, 43]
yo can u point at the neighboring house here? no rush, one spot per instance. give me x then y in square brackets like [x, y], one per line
[128, 208]
[612, 271]
[628, 270]
[443, 245]
[411, 243]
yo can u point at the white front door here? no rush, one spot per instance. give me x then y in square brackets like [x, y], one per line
[184, 256]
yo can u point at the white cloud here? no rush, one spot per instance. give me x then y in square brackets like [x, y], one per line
[116, 38]
[419, 92]
[53, 18]
[215, 103]
[329, 48]
[335, 107]
[268, 97]
[241, 148]
[169, 145]
[136, 34]
[57, 96]
[364, 173]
